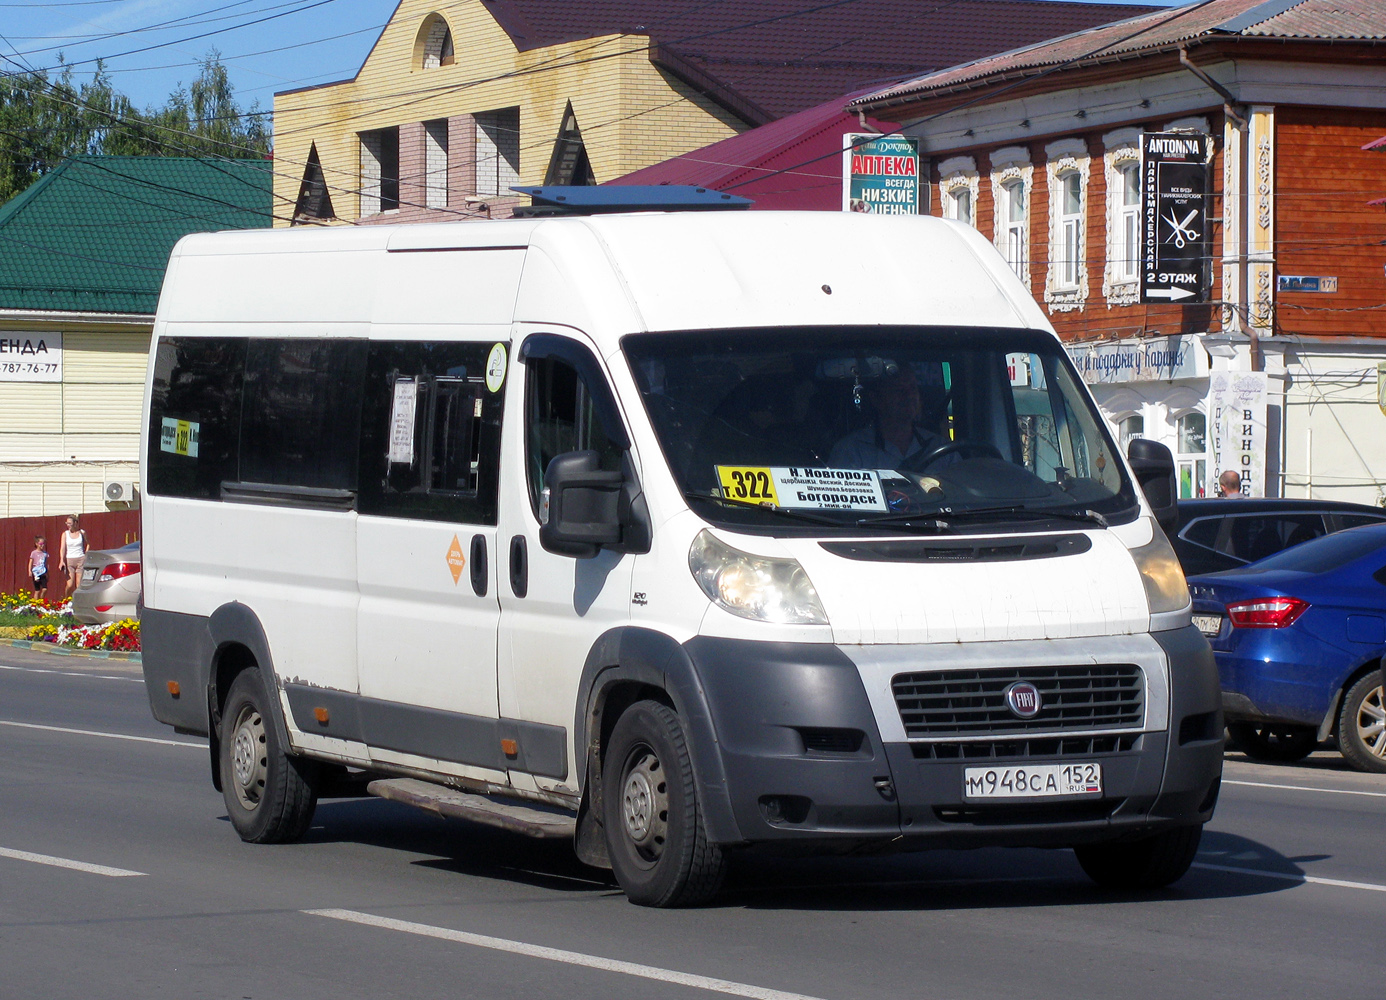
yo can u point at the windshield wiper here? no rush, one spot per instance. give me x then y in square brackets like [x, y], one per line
[782, 511]
[1034, 513]
[926, 520]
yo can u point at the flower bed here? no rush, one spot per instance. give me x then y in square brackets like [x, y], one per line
[122, 636]
[27, 604]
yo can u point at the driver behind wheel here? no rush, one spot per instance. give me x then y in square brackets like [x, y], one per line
[894, 439]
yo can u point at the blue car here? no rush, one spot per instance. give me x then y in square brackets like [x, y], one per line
[1299, 638]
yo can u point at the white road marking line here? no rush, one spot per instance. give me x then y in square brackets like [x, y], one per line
[79, 866]
[109, 736]
[1287, 876]
[71, 673]
[559, 955]
[1304, 788]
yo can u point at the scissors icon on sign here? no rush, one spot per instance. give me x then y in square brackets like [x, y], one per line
[1184, 234]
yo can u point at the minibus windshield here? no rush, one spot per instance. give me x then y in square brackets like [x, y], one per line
[810, 430]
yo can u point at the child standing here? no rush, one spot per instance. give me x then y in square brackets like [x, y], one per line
[38, 567]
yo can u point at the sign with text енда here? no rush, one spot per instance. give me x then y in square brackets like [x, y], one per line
[1175, 228]
[880, 174]
[31, 357]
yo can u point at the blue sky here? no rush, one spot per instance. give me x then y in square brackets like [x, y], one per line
[316, 40]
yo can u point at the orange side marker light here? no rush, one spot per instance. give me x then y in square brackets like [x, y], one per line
[510, 748]
[173, 688]
[321, 715]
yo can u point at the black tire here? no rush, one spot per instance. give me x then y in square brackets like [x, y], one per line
[1273, 742]
[1150, 863]
[655, 836]
[1361, 736]
[270, 796]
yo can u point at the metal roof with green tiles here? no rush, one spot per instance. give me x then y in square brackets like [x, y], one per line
[94, 234]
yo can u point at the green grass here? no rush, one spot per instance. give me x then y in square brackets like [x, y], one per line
[8, 619]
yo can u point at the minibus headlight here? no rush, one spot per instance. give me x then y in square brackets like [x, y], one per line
[1161, 573]
[755, 587]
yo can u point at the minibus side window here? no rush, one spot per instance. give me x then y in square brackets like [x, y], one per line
[194, 415]
[561, 416]
[430, 435]
[301, 421]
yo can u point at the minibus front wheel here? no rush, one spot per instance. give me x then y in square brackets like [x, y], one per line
[270, 796]
[656, 838]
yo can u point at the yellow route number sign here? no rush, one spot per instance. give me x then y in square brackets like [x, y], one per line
[748, 483]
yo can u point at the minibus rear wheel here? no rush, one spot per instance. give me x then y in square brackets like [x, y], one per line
[1149, 863]
[656, 840]
[270, 796]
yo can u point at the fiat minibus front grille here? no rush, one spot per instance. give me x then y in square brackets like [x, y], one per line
[964, 703]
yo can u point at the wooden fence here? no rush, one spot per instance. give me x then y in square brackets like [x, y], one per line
[105, 530]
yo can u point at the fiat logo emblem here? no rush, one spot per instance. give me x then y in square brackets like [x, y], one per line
[1023, 699]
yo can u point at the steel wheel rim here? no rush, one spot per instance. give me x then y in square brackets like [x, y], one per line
[1371, 723]
[249, 757]
[645, 804]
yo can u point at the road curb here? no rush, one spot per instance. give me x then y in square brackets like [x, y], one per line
[48, 647]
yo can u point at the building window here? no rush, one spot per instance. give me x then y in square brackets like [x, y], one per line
[1017, 237]
[569, 163]
[379, 171]
[957, 189]
[1192, 459]
[957, 204]
[1070, 228]
[497, 151]
[1011, 180]
[1066, 277]
[1130, 428]
[435, 43]
[436, 163]
[1123, 174]
[1129, 221]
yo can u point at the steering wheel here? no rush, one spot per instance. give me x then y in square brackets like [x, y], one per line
[920, 462]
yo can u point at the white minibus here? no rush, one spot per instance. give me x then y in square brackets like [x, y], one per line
[673, 534]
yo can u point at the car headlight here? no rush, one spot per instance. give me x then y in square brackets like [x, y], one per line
[1165, 587]
[760, 588]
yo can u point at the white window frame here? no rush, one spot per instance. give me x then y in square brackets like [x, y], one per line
[958, 177]
[1010, 165]
[1066, 281]
[1120, 284]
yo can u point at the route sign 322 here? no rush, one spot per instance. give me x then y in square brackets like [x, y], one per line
[1175, 229]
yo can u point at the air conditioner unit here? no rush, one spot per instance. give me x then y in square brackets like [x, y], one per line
[120, 491]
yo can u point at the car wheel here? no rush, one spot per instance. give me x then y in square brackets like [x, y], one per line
[270, 795]
[1150, 863]
[1263, 741]
[1362, 725]
[656, 840]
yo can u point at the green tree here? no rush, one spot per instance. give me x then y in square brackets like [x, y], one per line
[44, 120]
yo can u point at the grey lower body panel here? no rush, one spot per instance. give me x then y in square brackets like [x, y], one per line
[769, 700]
[429, 732]
[177, 648]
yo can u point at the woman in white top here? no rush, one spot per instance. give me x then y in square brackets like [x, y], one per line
[72, 553]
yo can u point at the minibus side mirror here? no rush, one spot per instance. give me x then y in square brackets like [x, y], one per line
[1154, 468]
[587, 508]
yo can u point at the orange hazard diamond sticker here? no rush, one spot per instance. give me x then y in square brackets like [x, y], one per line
[456, 560]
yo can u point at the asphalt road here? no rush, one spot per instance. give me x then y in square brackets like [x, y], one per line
[384, 901]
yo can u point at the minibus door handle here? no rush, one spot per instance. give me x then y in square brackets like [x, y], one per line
[519, 566]
[479, 569]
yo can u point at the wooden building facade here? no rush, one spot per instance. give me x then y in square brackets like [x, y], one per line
[1039, 148]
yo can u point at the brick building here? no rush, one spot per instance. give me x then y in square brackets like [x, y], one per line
[1040, 148]
[458, 101]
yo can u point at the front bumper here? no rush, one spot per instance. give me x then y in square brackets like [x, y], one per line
[784, 716]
